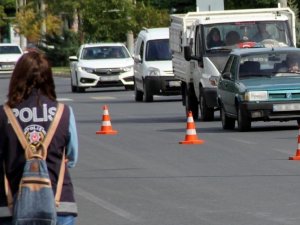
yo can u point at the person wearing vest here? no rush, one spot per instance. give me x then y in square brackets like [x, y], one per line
[32, 97]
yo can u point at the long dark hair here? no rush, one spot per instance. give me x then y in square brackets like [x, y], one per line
[32, 71]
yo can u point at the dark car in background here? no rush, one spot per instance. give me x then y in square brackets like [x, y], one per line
[259, 84]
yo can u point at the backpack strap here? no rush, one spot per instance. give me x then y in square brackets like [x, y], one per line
[17, 128]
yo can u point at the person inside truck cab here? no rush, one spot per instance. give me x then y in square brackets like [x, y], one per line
[262, 33]
[291, 64]
[232, 38]
[214, 38]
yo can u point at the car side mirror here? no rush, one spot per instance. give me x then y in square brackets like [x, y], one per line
[187, 53]
[138, 59]
[73, 58]
[227, 75]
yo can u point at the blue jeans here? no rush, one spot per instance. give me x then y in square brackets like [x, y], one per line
[61, 220]
[65, 220]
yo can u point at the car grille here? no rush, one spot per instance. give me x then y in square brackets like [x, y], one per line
[108, 71]
[7, 66]
[284, 95]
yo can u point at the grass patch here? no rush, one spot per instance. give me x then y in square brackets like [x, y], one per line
[61, 70]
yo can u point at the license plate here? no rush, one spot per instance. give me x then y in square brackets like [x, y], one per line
[109, 78]
[7, 67]
[286, 107]
[174, 83]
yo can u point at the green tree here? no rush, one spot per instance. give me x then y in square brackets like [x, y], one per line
[149, 17]
[106, 20]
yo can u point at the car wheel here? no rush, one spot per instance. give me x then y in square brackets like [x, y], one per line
[129, 87]
[73, 87]
[191, 103]
[80, 89]
[137, 94]
[244, 122]
[207, 113]
[147, 96]
[228, 123]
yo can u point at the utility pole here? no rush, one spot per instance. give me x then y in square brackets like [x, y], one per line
[23, 40]
[283, 3]
[43, 13]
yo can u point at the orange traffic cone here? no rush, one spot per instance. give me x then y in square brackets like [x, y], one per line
[106, 127]
[191, 136]
[297, 155]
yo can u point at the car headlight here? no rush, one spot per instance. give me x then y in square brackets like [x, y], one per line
[86, 69]
[127, 69]
[153, 72]
[256, 96]
[213, 80]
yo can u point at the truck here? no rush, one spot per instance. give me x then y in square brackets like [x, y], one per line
[198, 65]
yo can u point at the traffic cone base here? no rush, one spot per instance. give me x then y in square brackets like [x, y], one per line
[106, 127]
[296, 156]
[191, 136]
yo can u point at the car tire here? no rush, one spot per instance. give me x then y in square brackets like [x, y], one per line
[129, 87]
[138, 95]
[228, 123]
[148, 97]
[206, 113]
[244, 122]
[191, 103]
[73, 87]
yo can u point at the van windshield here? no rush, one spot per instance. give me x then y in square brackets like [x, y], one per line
[158, 50]
[247, 34]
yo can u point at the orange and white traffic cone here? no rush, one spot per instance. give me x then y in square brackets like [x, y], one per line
[106, 127]
[191, 136]
[297, 155]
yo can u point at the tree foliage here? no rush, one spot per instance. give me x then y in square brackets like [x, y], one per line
[29, 23]
[149, 17]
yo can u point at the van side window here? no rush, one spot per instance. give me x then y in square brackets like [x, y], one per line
[141, 53]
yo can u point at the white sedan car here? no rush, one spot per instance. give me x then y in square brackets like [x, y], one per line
[9, 55]
[101, 65]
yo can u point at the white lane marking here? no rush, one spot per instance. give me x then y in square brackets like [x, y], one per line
[64, 99]
[106, 205]
[102, 97]
[243, 141]
[282, 151]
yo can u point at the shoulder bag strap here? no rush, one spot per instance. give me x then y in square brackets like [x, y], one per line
[16, 126]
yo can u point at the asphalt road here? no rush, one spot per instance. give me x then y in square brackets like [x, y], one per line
[143, 176]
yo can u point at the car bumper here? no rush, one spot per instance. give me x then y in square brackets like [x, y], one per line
[272, 111]
[91, 80]
[163, 85]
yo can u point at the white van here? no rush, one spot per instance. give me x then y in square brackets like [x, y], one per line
[153, 73]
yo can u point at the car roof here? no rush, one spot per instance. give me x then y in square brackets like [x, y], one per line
[155, 33]
[249, 51]
[102, 44]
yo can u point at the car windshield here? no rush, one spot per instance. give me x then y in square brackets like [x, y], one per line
[273, 64]
[104, 52]
[247, 34]
[10, 50]
[158, 50]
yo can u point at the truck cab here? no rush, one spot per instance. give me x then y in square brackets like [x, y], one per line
[199, 58]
